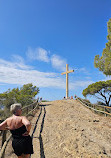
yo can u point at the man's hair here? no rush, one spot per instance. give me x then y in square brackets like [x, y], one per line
[14, 107]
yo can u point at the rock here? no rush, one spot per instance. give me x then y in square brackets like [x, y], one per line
[95, 120]
[75, 145]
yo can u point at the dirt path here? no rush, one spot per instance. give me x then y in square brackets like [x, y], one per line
[68, 129]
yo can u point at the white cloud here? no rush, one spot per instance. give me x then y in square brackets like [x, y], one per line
[41, 54]
[82, 70]
[58, 62]
[17, 58]
[38, 54]
[15, 76]
[82, 84]
[11, 73]
[14, 64]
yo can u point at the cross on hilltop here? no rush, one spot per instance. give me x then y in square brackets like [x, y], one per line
[67, 72]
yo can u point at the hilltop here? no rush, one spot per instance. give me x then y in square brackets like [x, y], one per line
[65, 128]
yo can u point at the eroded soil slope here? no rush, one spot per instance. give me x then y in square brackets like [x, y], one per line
[68, 129]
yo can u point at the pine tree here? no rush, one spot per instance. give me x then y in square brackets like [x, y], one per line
[103, 63]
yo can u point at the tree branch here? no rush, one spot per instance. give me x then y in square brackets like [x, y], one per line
[99, 98]
[104, 98]
[109, 99]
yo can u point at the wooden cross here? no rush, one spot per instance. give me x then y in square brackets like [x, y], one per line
[67, 72]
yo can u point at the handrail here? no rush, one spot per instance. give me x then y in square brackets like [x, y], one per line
[99, 105]
[9, 137]
[93, 108]
[24, 107]
[4, 146]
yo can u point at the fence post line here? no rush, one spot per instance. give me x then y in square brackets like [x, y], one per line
[105, 111]
[3, 137]
[3, 140]
[27, 110]
[6, 140]
[95, 107]
[33, 106]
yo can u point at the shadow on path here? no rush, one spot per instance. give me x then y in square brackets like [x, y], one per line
[42, 155]
[44, 104]
[36, 123]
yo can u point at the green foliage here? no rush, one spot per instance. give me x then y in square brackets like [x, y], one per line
[45, 101]
[103, 88]
[100, 103]
[1, 114]
[25, 95]
[103, 63]
[86, 100]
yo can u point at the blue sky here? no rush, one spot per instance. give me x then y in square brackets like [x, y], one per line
[38, 38]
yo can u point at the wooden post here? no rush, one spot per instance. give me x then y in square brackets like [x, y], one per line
[27, 110]
[3, 137]
[66, 73]
[93, 106]
[105, 111]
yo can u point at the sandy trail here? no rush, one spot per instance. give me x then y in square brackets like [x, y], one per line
[68, 129]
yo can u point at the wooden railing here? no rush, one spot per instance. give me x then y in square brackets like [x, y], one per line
[106, 110]
[27, 110]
